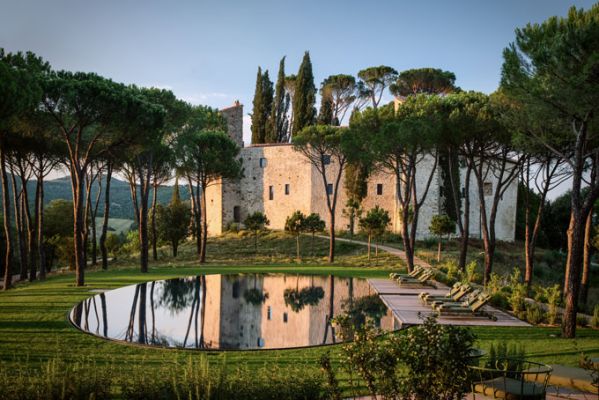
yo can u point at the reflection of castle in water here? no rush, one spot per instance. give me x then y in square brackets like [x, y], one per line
[227, 311]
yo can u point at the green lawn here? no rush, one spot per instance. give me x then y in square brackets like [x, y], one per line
[34, 326]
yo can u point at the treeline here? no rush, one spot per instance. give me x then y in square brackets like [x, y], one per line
[538, 128]
[94, 127]
[120, 195]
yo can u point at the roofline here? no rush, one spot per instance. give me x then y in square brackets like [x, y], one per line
[268, 145]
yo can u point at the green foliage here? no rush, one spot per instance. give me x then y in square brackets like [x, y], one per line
[519, 290]
[113, 243]
[58, 379]
[278, 124]
[375, 222]
[442, 225]
[255, 296]
[172, 223]
[423, 80]
[262, 107]
[494, 284]
[505, 355]
[553, 294]
[581, 320]
[298, 299]
[295, 223]
[304, 98]
[374, 81]
[313, 223]
[471, 274]
[534, 313]
[256, 221]
[131, 244]
[595, 318]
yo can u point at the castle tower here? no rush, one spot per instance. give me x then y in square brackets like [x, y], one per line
[234, 117]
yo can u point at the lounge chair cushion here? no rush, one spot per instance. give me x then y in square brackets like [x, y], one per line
[510, 389]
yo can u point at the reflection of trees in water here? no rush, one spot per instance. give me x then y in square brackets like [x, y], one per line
[329, 317]
[357, 312]
[298, 299]
[195, 316]
[176, 294]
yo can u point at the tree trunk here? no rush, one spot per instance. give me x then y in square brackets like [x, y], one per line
[26, 214]
[588, 249]
[143, 226]
[153, 220]
[93, 222]
[439, 250]
[369, 239]
[39, 207]
[6, 215]
[567, 271]
[175, 245]
[104, 233]
[576, 235]
[405, 235]
[332, 236]
[77, 184]
[465, 239]
[204, 233]
[16, 197]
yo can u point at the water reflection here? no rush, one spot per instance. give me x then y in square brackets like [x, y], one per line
[245, 311]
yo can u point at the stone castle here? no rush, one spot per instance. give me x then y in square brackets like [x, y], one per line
[279, 180]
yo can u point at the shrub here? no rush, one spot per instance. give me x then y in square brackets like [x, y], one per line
[57, 380]
[500, 300]
[471, 275]
[534, 314]
[504, 355]
[595, 319]
[452, 270]
[433, 360]
[518, 294]
[494, 285]
[553, 295]
[581, 321]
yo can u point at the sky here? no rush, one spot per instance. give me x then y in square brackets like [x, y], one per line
[208, 52]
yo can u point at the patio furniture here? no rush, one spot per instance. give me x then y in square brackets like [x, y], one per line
[466, 300]
[570, 377]
[510, 379]
[457, 292]
[420, 281]
[415, 272]
[464, 308]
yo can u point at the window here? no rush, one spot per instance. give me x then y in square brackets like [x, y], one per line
[268, 313]
[235, 289]
[271, 193]
[329, 188]
[488, 188]
[237, 214]
[326, 159]
[463, 192]
[287, 189]
[285, 317]
[379, 189]
[262, 162]
[260, 342]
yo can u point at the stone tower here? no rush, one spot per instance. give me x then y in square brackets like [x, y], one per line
[234, 117]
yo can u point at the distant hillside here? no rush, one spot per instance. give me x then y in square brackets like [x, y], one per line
[120, 196]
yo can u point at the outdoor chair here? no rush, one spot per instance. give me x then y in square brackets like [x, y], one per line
[510, 379]
[415, 272]
[464, 308]
[457, 292]
[466, 300]
[420, 281]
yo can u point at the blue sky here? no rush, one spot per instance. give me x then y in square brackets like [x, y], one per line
[208, 51]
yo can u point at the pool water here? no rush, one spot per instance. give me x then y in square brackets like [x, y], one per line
[229, 312]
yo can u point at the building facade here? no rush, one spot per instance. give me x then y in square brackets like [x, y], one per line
[279, 180]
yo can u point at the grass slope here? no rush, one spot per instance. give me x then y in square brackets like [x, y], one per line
[34, 326]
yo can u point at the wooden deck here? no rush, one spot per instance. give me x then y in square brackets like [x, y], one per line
[409, 310]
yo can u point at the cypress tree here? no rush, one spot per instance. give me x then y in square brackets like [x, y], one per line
[278, 122]
[305, 94]
[267, 101]
[258, 111]
[262, 107]
[325, 115]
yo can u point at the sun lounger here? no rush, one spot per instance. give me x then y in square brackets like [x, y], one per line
[466, 300]
[421, 281]
[462, 309]
[458, 291]
[418, 270]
